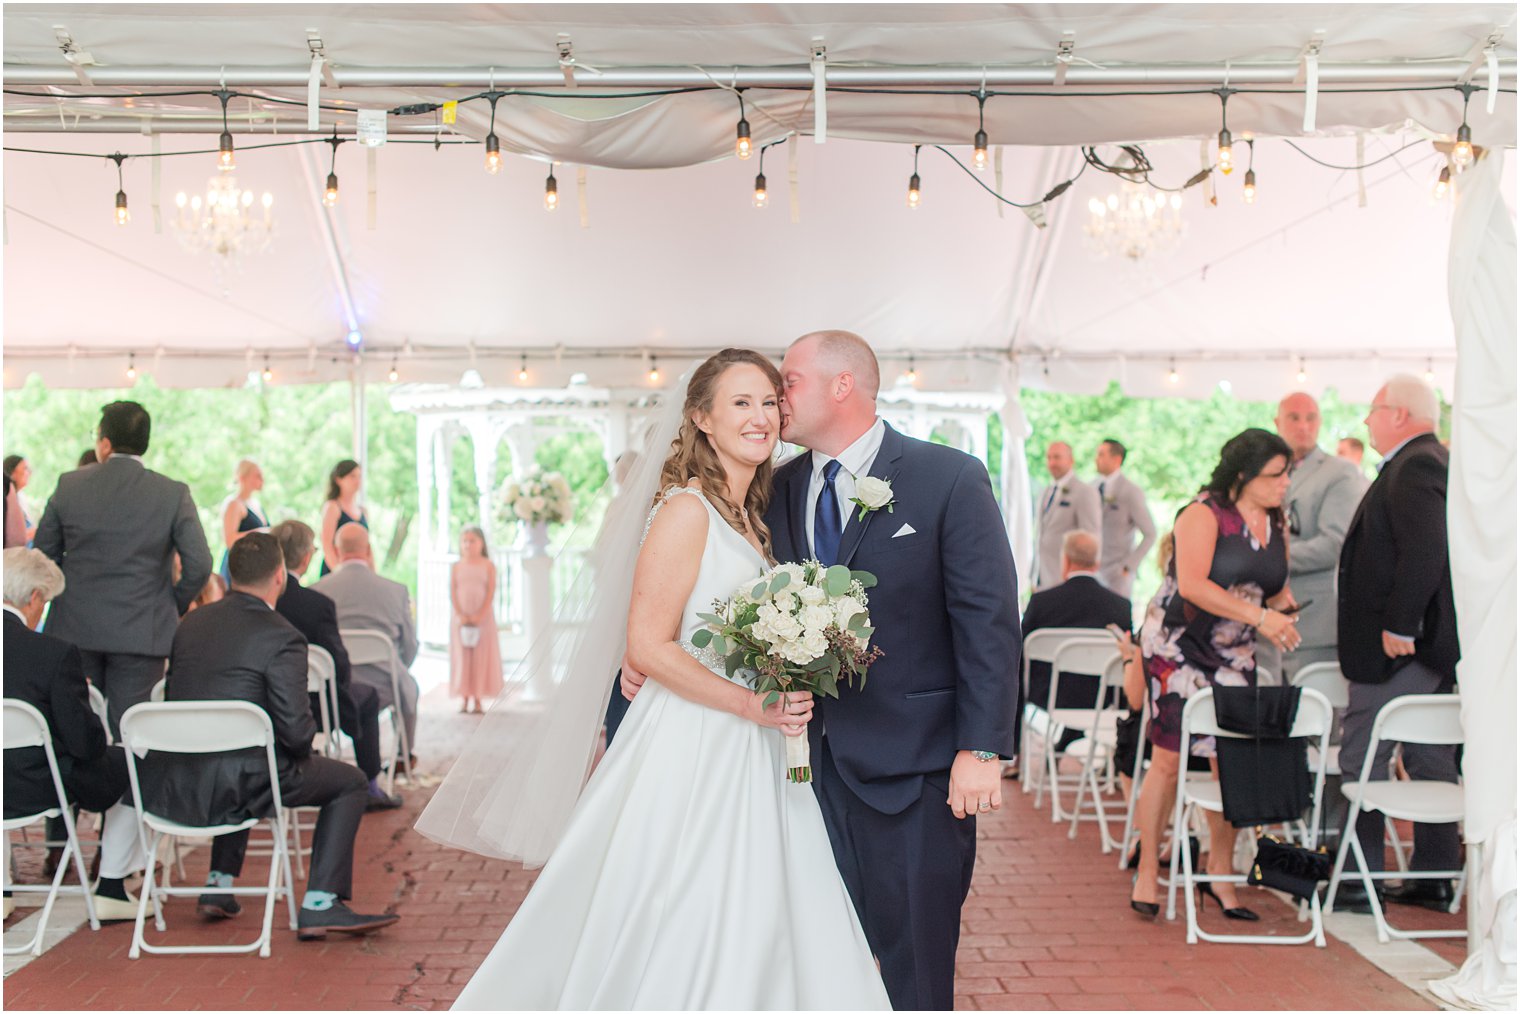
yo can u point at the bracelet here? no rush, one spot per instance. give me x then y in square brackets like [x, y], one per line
[1263, 618]
[984, 755]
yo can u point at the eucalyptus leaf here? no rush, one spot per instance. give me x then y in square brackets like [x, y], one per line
[759, 591]
[865, 577]
[772, 698]
[712, 618]
[780, 581]
[837, 582]
[702, 638]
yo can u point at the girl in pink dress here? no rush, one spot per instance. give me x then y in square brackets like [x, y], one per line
[474, 654]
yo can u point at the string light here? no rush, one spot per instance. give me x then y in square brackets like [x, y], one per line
[1430, 372]
[979, 143]
[355, 339]
[394, 374]
[493, 143]
[914, 194]
[760, 193]
[1462, 151]
[123, 216]
[522, 369]
[551, 191]
[1249, 193]
[654, 370]
[1172, 376]
[1226, 158]
[131, 365]
[268, 374]
[226, 159]
[743, 146]
[1443, 183]
[330, 193]
[1303, 371]
[911, 375]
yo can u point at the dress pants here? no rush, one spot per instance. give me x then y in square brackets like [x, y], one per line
[1436, 846]
[380, 679]
[101, 786]
[908, 874]
[359, 718]
[341, 791]
[124, 679]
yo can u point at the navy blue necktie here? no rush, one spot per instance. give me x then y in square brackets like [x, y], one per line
[826, 527]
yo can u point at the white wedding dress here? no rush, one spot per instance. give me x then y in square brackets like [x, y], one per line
[692, 875]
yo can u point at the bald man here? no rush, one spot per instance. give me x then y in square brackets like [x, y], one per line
[1067, 505]
[367, 601]
[1321, 501]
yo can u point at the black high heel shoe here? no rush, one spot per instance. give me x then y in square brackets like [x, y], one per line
[1149, 909]
[1242, 913]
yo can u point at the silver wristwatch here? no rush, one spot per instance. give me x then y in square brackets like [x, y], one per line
[985, 755]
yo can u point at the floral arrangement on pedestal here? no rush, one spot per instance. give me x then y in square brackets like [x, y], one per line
[539, 498]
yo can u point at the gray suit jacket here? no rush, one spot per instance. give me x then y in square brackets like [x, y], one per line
[1124, 513]
[368, 601]
[1075, 506]
[114, 529]
[1322, 500]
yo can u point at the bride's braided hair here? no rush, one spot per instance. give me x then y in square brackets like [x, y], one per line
[691, 455]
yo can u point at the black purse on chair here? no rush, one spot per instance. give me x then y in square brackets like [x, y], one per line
[1290, 868]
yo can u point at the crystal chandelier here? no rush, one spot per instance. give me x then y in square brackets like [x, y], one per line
[224, 223]
[1134, 222]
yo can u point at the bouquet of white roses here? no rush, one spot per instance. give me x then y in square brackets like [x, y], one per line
[801, 626]
[542, 496]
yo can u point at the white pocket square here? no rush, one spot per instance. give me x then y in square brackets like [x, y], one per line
[906, 529]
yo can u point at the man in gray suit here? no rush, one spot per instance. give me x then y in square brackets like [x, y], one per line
[114, 529]
[1321, 502]
[1124, 514]
[367, 601]
[1067, 505]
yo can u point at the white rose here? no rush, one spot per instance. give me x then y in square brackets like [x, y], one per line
[845, 608]
[873, 492]
[767, 613]
[523, 509]
[797, 652]
[811, 595]
[816, 644]
[794, 571]
[816, 618]
[786, 625]
[513, 491]
[785, 601]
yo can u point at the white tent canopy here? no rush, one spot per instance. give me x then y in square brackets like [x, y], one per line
[457, 269]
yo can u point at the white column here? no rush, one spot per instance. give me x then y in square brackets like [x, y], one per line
[614, 430]
[483, 440]
[425, 489]
[443, 473]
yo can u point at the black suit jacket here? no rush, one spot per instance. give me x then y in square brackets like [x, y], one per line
[237, 649]
[1079, 601]
[44, 672]
[945, 615]
[316, 617]
[1394, 571]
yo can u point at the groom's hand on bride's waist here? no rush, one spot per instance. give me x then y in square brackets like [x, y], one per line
[976, 786]
[630, 679]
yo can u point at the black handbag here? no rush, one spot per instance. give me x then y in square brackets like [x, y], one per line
[1290, 868]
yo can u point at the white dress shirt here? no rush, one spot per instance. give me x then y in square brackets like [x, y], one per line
[855, 463]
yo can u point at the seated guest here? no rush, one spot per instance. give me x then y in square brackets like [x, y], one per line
[240, 649]
[367, 601]
[1080, 600]
[45, 672]
[316, 617]
[214, 591]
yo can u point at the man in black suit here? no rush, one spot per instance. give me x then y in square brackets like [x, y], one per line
[1080, 600]
[1397, 621]
[241, 649]
[316, 617]
[45, 672]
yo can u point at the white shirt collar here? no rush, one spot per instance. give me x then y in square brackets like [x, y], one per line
[1110, 477]
[17, 613]
[1402, 444]
[1083, 573]
[1068, 475]
[856, 458]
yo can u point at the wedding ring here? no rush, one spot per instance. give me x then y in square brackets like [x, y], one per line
[984, 806]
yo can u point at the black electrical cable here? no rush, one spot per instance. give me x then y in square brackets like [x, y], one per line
[1352, 168]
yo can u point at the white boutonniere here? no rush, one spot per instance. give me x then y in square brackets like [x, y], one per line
[871, 495]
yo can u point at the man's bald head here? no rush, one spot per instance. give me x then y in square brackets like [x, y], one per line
[352, 542]
[1298, 423]
[1080, 550]
[845, 352]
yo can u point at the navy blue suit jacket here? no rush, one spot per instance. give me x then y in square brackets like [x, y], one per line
[945, 612]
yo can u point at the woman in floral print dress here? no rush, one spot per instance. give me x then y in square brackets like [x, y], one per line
[1226, 585]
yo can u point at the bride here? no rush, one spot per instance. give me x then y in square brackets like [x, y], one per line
[690, 874]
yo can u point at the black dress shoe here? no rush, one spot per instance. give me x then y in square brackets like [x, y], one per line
[1240, 913]
[382, 802]
[315, 925]
[1352, 897]
[1435, 895]
[217, 906]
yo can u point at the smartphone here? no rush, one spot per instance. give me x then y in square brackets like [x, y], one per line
[1295, 607]
[1120, 635]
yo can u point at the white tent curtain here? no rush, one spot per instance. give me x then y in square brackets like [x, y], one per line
[1482, 290]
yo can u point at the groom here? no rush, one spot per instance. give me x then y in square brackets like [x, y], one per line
[902, 768]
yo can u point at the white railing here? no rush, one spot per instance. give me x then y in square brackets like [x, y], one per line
[433, 607]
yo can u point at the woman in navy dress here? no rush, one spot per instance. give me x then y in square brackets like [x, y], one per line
[341, 507]
[1226, 585]
[241, 514]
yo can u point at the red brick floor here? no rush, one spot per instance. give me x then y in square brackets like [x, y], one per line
[1047, 927]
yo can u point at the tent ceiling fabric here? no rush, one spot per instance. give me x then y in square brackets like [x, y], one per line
[467, 270]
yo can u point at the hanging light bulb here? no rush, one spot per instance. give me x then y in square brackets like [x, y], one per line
[654, 370]
[915, 195]
[1249, 193]
[1303, 371]
[760, 195]
[979, 143]
[743, 146]
[522, 369]
[1443, 183]
[394, 374]
[911, 374]
[1226, 153]
[1172, 376]
[551, 191]
[122, 215]
[493, 154]
[330, 192]
[268, 374]
[1430, 372]
[226, 158]
[1462, 151]
[132, 366]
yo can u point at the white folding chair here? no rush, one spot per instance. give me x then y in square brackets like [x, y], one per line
[1040, 646]
[1131, 834]
[1101, 735]
[102, 710]
[25, 727]
[1087, 657]
[371, 647]
[1313, 719]
[156, 695]
[322, 680]
[204, 727]
[1434, 719]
